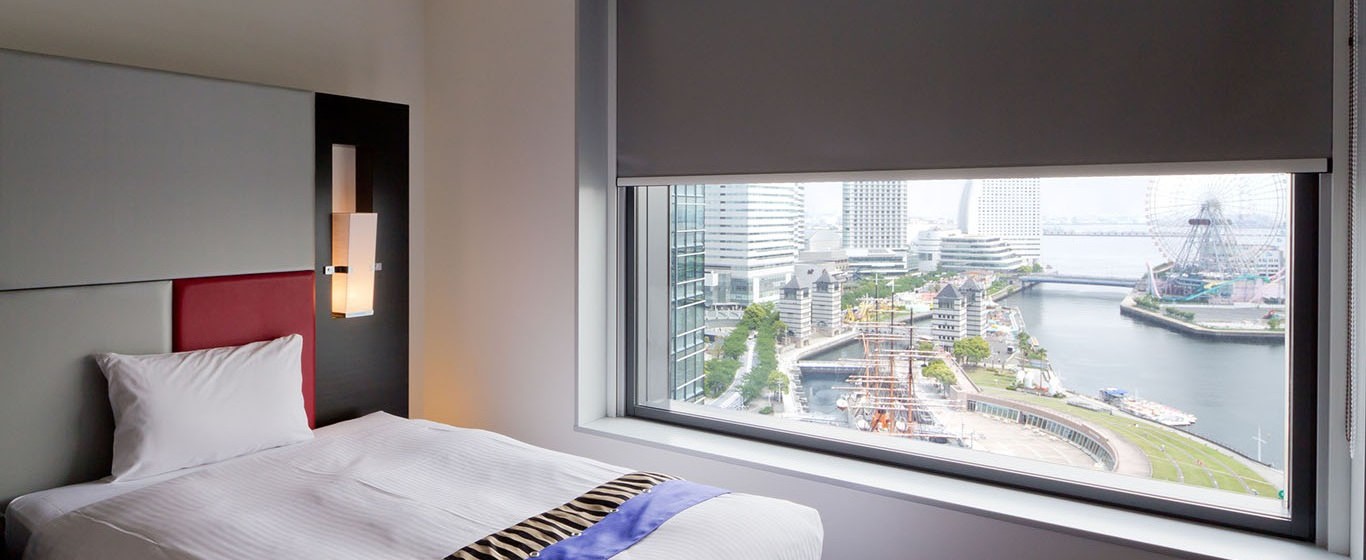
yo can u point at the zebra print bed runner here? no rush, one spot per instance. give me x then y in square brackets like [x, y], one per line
[532, 537]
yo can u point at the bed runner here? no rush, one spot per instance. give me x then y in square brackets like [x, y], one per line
[597, 525]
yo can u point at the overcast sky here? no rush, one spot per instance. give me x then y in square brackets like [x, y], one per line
[1061, 198]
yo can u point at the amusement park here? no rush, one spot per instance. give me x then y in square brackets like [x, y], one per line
[978, 358]
[1224, 236]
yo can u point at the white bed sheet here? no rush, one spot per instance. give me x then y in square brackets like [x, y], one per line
[30, 511]
[394, 488]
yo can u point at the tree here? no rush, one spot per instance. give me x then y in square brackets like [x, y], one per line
[1148, 302]
[777, 381]
[940, 371]
[1274, 322]
[762, 375]
[720, 373]
[735, 343]
[924, 346]
[971, 349]
[757, 315]
[754, 384]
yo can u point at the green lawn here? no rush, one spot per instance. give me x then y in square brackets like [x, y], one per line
[985, 378]
[1171, 456]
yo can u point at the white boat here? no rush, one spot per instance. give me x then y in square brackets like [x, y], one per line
[1147, 410]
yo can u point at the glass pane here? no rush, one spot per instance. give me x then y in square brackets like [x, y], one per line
[1124, 331]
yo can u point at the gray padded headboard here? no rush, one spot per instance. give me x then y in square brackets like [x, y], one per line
[54, 404]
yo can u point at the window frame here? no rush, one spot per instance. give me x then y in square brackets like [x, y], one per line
[1309, 220]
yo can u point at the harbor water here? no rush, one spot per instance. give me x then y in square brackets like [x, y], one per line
[1233, 388]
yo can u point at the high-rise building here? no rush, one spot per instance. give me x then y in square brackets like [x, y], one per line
[686, 294]
[876, 215]
[754, 233]
[949, 319]
[1005, 208]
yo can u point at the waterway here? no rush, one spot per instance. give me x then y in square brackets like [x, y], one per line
[1233, 388]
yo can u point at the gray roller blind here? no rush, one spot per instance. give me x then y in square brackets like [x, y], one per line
[716, 87]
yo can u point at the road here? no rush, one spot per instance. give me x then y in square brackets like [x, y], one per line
[731, 398]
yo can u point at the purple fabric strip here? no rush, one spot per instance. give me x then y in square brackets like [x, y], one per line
[634, 520]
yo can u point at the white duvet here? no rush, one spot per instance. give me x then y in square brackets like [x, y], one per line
[395, 489]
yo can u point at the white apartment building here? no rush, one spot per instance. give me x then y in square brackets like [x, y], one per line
[876, 215]
[949, 319]
[1005, 208]
[753, 235]
[1269, 263]
[977, 252]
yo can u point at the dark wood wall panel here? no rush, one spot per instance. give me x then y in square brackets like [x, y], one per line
[363, 361]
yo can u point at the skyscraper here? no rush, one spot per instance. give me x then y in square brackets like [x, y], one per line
[754, 233]
[686, 303]
[876, 215]
[1004, 208]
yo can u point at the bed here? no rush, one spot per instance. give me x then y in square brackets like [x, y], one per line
[378, 486]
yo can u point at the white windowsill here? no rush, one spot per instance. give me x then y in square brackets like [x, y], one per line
[1168, 536]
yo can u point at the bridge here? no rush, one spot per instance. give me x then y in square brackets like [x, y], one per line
[1060, 232]
[829, 368]
[1064, 231]
[1082, 280]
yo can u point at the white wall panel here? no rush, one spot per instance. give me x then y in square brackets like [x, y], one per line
[54, 403]
[117, 174]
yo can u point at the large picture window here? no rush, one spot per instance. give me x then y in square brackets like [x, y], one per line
[1147, 342]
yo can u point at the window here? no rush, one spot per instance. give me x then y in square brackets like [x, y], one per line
[1147, 342]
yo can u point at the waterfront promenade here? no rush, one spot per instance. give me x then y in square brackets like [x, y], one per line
[1167, 453]
[1129, 308]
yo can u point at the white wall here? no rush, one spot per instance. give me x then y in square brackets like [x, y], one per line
[501, 284]
[361, 48]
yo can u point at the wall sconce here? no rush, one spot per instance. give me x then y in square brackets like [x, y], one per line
[353, 242]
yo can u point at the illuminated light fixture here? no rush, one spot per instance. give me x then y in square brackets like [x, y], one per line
[353, 242]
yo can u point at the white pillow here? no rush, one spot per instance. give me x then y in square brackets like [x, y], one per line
[173, 411]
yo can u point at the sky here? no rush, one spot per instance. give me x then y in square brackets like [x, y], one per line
[1061, 198]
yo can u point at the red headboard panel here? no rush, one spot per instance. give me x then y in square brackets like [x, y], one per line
[235, 310]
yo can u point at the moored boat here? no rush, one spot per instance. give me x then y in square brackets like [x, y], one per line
[1145, 409]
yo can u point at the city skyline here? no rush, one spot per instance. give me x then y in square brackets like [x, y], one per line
[1072, 197]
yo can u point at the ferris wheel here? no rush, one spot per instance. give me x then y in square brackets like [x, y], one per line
[1218, 225]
